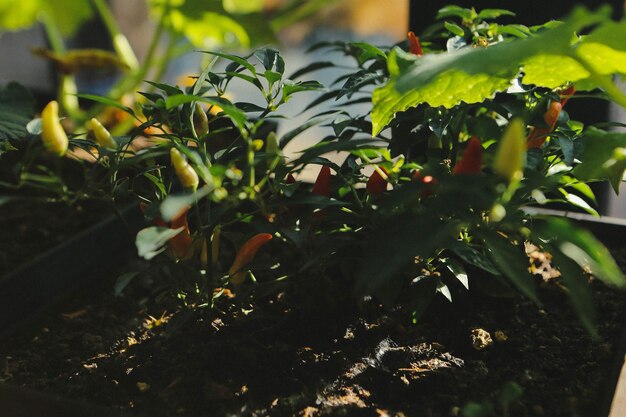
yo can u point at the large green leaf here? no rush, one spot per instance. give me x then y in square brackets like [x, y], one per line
[68, 15]
[578, 288]
[205, 23]
[472, 75]
[603, 157]
[584, 249]
[16, 110]
[243, 6]
[18, 14]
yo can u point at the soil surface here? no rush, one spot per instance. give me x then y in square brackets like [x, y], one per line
[29, 228]
[275, 358]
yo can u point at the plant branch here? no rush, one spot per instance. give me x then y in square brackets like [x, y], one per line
[120, 42]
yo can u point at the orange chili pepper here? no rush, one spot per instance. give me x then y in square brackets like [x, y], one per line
[245, 255]
[181, 245]
[538, 135]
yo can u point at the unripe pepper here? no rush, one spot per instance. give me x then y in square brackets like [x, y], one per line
[322, 183]
[509, 159]
[414, 45]
[52, 134]
[376, 184]
[271, 144]
[472, 160]
[245, 255]
[101, 134]
[200, 121]
[185, 172]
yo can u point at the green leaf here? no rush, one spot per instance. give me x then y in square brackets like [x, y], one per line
[107, 101]
[271, 59]
[584, 249]
[512, 262]
[473, 257]
[68, 15]
[579, 291]
[314, 121]
[206, 24]
[603, 157]
[123, 281]
[243, 6]
[239, 60]
[174, 204]
[17, 106]
[472, 75]
[238, 117]
[488, 14]
[454, 11]
[290, 87]
[579, 202]
[18, 14]
[395, 244]
[457, 270]
[455, 29]
[311, 67]
[152, 240]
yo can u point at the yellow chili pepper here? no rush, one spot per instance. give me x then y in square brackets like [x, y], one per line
[52, 134]
[102, 135]
[511, 153]
[185, 172]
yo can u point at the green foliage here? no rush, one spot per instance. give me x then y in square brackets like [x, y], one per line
[417, 228]
[67, 15]
[548, 58]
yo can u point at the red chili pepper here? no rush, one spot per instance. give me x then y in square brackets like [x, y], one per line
[428, 181]
[245, 255]
[472, 160]
[538, 135]
[376, 184]
[414, 45]
[290, 179]
[322, 183]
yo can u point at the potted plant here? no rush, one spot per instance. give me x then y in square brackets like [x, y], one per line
[468, 129]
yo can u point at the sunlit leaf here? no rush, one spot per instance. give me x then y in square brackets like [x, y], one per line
[584, 249]
[152, 240]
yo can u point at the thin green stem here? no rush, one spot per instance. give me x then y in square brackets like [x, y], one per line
[67, 88]
[120, 42]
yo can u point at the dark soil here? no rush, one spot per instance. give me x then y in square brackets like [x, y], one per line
[29, 228]
[273, 358]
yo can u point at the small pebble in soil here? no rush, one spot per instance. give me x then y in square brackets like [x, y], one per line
[500, 336]
[481, 339]
[143, 386]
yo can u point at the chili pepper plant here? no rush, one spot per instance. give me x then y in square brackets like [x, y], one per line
[468, 129]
